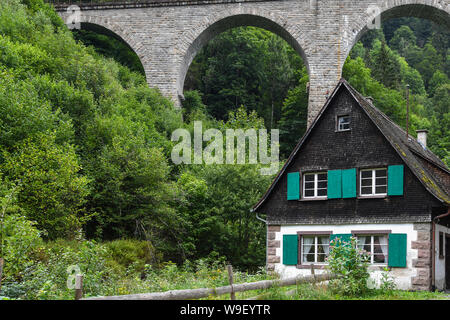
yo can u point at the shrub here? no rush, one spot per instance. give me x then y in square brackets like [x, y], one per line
[19, 239]
[47, 278]
[52, 190]
[387, 284]
[350, 263]
[131, 255]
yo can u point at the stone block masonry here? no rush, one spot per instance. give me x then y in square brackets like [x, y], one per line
[167, 34]
[272, 245]
[422, 280]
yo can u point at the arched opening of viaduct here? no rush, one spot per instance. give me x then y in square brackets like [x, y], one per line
[234, 21]
[100, 29]
[424, 11]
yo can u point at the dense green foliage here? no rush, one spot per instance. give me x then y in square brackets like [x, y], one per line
[85, 147]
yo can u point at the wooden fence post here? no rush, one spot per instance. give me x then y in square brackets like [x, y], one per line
[230, 279]
[78, 286]
[313, 274]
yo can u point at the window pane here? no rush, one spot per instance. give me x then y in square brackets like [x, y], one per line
[380, 173]
[319, 246]
[323, 245]
[321, 257]
[379, 258]
[308, 249]
[324, 240]
[367, 244]
[309, 185]
[380, 249]
[344, 123]
[322, 177]
[366, 190]
[380, 181]
[309, 193]
[366, 182]
[308, 257]
[360, 240]
[322, 185]
[380, 189]
[366, 174]
[309, 177]
[321, 192]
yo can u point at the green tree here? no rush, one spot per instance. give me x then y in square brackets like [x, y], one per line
[429, 63]
[403, 40]
[293, 120]
[51, 189]
[278, 78]
[438, 79]
[385, 67]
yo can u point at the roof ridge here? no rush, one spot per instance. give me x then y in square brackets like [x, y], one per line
[408, 142]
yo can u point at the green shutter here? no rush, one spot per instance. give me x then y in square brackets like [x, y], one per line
[397, 250]
[334, 184]
[395, 180]
[293, 186]
[349, 183]
[290, 249]
[344, 236]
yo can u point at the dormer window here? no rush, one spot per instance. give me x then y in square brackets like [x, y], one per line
[343, 123]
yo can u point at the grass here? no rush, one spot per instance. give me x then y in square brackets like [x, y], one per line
[128, 267]
[321, 292]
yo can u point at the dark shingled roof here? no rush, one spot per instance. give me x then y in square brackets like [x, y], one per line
[412, 152]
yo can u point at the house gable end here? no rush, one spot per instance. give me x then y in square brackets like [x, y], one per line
[323, 148]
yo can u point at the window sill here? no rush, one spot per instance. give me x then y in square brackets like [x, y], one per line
[377, 267]
[372, 197]
[308, 266]
[313, 199]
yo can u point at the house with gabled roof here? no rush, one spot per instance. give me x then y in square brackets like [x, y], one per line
[356, 172]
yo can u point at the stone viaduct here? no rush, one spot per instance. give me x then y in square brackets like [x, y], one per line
[167, 34]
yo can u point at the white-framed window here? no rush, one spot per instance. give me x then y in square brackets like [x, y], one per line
[373, 182]
[315, 185]
[314, 248]
[376, 246]
[343, 123]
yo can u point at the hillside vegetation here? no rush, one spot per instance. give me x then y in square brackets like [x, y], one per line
[85, 172]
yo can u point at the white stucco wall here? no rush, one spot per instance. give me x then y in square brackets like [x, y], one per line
[439, 263]
[402, 276]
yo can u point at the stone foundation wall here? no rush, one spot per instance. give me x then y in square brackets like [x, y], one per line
[422, 280]
[272, 245]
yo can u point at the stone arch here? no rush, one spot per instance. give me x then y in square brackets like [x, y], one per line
[104, 26]
[193, 40]
[437, 11]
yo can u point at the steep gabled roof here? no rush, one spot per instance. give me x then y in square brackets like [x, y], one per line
[407, 148]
